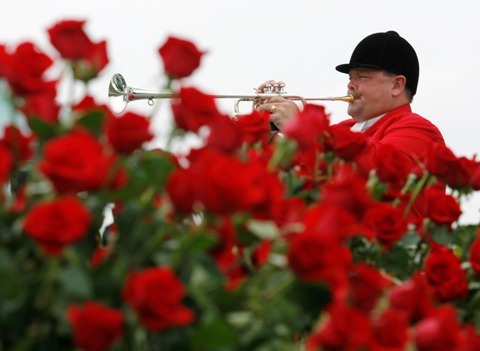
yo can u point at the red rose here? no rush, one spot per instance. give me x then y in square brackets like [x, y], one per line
[345, 143]
[273, 191]
[320, 258]
[366, 286]
[99, 256]
[228, 254]
[219, 183]
[6, 164]
[441, 208]
[78, 162]
[392, 165]
[474, 257]
[333, 221]
[254, 127]
[345, 329]
[463, 173]
[390, 331]
[412, 298]
[309, 127]
[42, 106]
[224, 135]
[97, 57]
[95, 327]
[440, 331]
[475, 176]
[128, 132]
[180, 57]
[386, 223]
[4, 60]
[24, 70]
[347, 190]
[182, 191]
[289, 211]
[455, 172]
[58, 223]
[469, 339]
[17, 143]
[70, 40]
[441, 162]
[444, 274]
[156, 295]
[194, 109]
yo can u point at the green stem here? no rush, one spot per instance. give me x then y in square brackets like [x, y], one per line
[277, 289]
[416, 192]
[47, 288]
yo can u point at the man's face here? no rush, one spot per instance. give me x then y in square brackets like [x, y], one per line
[373, 93]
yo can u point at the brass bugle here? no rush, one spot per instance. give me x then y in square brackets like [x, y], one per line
[120, 94]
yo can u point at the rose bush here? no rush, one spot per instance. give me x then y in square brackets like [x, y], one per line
[310, 241]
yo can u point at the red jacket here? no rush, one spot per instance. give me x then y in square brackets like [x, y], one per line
[403, 129]
[407, 131]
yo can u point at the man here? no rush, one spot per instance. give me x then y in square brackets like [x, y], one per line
[383, 71]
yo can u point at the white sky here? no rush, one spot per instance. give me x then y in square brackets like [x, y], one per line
[297, 41]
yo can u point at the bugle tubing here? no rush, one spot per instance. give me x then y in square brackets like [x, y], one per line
[120, 94]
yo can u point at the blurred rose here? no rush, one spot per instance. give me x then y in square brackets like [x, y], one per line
[390, 331]
[345, 143]
[347, 190]
[345, 329]
[474, 257]
[6, 164]
[366, 286]
[441, 208]
[128, 132]
[444, 274]
[17, 142]
[95, 327]
[386, 223]
[224, 135]
[309, 127]
[42, 106]
[320, 258]
[412, 298]
[180, 57]
[439, 331]
[156, 295]
[194, 109]
[254, 127]
[78, 162]
[57, 223]
[220, 183]
[392, 166]
[70, 40]
[24, 70]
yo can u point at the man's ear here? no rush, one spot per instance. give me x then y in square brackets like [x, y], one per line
[399, 83]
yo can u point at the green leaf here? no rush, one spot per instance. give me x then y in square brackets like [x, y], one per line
[41, 128]
[266, 230]
[76, 282]
[214, 335]
[157, 166]
[93, 121]
[12, 291]
[442, 236]
[411, 239]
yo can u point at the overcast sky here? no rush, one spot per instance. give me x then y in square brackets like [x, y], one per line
[299, 42]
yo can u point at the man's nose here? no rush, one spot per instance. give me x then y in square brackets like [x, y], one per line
[351, 85]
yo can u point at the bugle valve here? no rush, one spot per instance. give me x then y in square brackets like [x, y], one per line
[120, 94]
